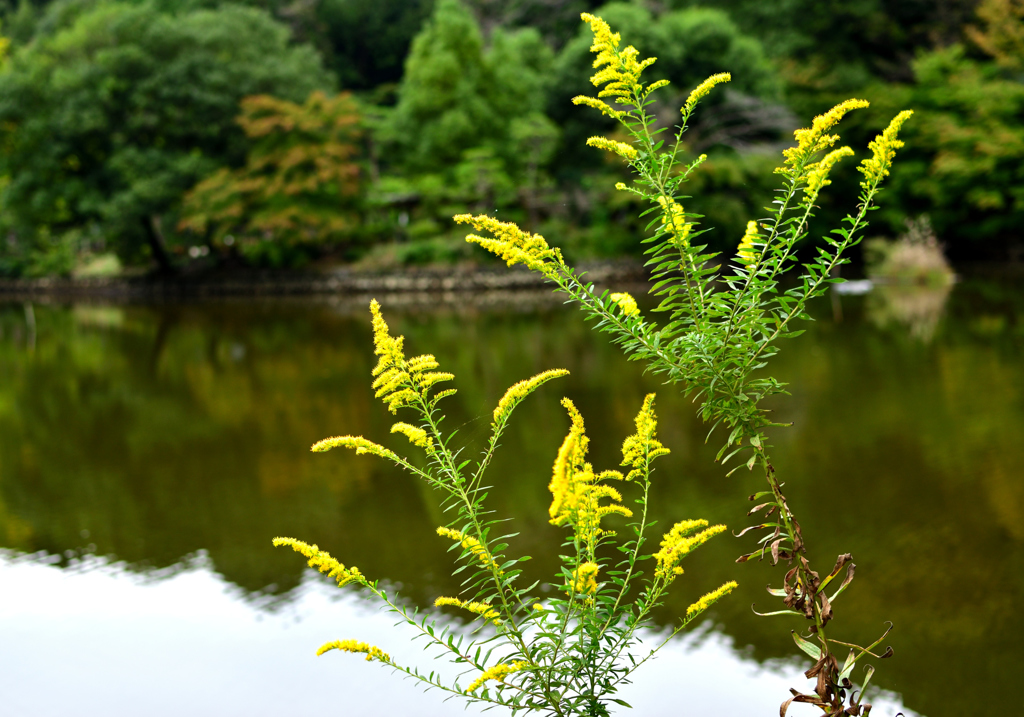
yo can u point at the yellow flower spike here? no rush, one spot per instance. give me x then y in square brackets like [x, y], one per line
[673, 218]
[747, 252]
[701, 91]
[816, 137]
[498, 673]
[626, 151]
[371, 652]
[479, 608]
[471, 544]
[584, 579]
[520, 390]
[511, 243]
[417, 436]
[360, 444]
[605, 108]
[883, 150]
[680, 542]
[642, 447]
[622, 68]
[626, 303]
[576, 491]
[388, 349]
[322, 561]
[568, 460]
[710, 599]
[818, 177]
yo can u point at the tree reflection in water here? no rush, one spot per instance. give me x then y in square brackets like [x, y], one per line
[152, 432]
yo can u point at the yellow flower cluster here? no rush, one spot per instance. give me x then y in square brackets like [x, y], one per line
[478, 608]
[469, 543]
[626, 303]
[624, 150]
[883, 150]
[710, 599]
[576, 491]
[701, 91]
[511, 243]
[674, 219]
[371, 652]
[604, 107]
[621, 67]
[817, 179]
[417, 436]
[584, 579]
[398, 381]
[642, 447]
[498, 673]
[816, 137]
[322, 561]
[748, 251]
[680, 542]
[520, 390]
[360, 444]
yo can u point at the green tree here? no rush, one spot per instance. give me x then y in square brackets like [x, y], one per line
[965, 150]
[299, 185]
[108, 121]
[458, 95]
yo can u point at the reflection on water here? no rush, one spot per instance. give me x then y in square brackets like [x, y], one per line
[917, 308]
[150, 434]
[190, 640]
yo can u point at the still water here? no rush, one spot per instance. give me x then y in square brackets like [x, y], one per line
[148, 454]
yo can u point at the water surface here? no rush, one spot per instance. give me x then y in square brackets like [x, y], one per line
[148, 454]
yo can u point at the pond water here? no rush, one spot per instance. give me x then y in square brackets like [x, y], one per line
[148, 454]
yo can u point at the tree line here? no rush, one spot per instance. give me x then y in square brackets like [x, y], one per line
[271, 133]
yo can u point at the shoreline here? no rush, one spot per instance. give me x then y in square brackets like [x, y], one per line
[338, 282]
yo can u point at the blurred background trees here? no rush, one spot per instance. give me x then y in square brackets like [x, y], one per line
[125, 128]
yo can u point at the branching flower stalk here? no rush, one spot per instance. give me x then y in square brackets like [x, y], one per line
[723, 316]
[565, 656]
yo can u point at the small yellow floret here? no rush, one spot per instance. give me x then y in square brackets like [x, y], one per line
[626, 303]
[371, 652]
[702, 90]
[498, 673]
[710, 599]
[624, 150]
[518, 391]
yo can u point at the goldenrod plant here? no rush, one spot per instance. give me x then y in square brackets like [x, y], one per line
[565, 655]
[723, 316]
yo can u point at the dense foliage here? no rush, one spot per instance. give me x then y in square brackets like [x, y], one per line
[111, 117]
[466, 103]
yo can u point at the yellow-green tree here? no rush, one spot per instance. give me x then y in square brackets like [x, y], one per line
[300, 184]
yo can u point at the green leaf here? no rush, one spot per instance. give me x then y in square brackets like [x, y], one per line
[809, 647]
